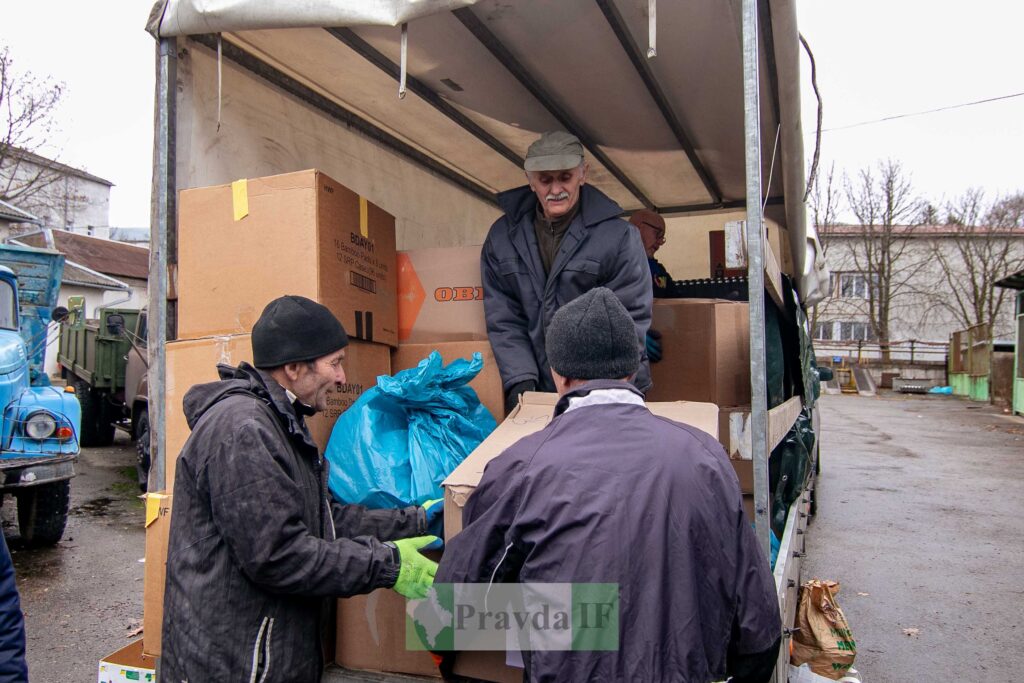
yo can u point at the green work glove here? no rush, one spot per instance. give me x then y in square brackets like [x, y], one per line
[416, 572]
[433, 511]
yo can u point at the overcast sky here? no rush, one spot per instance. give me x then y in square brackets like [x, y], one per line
[876, 58]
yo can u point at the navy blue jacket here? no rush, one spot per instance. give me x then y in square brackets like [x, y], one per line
[598, 250]
[611, 493]
[12, 623]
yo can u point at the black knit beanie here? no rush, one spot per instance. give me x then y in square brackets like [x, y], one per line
[293, 329]
[593, 337]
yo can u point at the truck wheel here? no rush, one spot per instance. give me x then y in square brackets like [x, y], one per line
[43, 512]
[142, 449]
[97, 428]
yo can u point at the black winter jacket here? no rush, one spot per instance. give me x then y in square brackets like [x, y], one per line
[598, 250]
[253, 550]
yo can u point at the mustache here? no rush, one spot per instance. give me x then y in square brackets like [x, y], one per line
[556, 197]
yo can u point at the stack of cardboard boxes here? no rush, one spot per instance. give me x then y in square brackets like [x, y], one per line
[244, 244]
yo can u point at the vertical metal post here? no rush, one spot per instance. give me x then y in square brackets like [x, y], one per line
[755, 275]
[162, 220]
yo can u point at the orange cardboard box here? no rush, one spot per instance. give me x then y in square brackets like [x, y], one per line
[440, 296]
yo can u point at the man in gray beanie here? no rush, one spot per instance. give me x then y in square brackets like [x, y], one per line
[609, 493]
[254, 547]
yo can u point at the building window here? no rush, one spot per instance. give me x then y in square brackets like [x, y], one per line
[823, 331]
[855, 331]
[852, 285]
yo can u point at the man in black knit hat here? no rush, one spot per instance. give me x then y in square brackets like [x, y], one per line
[254, 546]
[609, 493]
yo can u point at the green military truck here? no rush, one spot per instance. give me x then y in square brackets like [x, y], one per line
[104, 359]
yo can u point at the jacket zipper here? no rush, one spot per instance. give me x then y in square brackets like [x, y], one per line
[265, 645]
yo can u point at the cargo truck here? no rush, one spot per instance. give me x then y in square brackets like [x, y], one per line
[104, 359]
[426, 109]
[40, 422]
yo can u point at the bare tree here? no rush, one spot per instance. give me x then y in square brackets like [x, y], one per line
[27, 107]
[825, 198]
[887, 210]
[985, 245]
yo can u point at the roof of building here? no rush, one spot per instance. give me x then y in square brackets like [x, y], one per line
[919, 230]
[1014, 281]
[40, 160]
[9, 212]
[103, 256]
[75, 274]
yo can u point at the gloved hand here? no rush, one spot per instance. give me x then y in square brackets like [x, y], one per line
[416, 572]
[434, 511]
[517, 390]
[653, 345]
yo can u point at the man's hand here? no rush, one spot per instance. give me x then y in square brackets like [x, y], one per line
[517, 390]
[653, 346]
[434, 512]
[416, 572]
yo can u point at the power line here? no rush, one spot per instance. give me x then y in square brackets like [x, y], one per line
[922, 113]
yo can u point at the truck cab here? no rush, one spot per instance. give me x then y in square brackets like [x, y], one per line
[39, 433]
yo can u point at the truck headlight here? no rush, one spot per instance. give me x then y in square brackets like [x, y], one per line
[40, 426]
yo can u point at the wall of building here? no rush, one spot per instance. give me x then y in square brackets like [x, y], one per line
[69, 201]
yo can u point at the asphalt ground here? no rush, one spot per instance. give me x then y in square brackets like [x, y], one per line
[921, 520]
[82, 599]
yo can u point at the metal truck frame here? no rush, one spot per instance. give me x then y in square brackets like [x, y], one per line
[770, 66]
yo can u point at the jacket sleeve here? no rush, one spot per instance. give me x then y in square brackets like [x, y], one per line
[12, 622]
[384, 525]
[258, 510]
[486, 542]
[632, 283]
[757, 624]
[506, 322]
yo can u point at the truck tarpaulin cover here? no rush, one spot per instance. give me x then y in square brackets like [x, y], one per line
[183, 17]
[399, 441]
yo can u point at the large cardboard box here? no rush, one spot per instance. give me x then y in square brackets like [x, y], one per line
[440, 295]
[194, 361]
[244, 244]
[371, 636]
[127, 665]
[158, 528]
[533, 413]
[705, 351]
[487, 384]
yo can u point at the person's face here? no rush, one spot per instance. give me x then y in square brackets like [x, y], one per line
[652, 234]
[313, 381]
[557, 191]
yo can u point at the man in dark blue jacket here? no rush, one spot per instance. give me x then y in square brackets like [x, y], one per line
[12, 623]
[559, 238]
[609, 493]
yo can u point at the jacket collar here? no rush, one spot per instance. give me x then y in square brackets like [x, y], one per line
[265, 387]
[595, 206]
[596, 385]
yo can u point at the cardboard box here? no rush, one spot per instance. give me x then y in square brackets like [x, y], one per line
[127, 665]
[440, 296]
[158, 528]
[371, 636]
[244, 244]
[531, 415]
[194, 361]
[487, 384]
[705, 351]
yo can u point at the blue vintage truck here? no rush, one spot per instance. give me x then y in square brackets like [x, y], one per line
[41, 423]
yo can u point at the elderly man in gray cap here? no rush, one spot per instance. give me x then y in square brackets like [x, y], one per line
[559, 238]
[254, 547]
[609, 493]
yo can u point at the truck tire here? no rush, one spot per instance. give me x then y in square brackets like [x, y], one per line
[142, 449]
[97, 428]
[43, 512]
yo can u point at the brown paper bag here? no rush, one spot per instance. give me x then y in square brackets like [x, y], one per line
[823, 640]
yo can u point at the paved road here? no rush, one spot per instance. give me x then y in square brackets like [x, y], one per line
[83, 597]
[921, 520]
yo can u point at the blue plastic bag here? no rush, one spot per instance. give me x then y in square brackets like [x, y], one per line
[947, 391]
[397, 443]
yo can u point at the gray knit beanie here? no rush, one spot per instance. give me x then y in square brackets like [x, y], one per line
[593, 337]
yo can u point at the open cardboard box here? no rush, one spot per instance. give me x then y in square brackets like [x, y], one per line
[127, 665]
